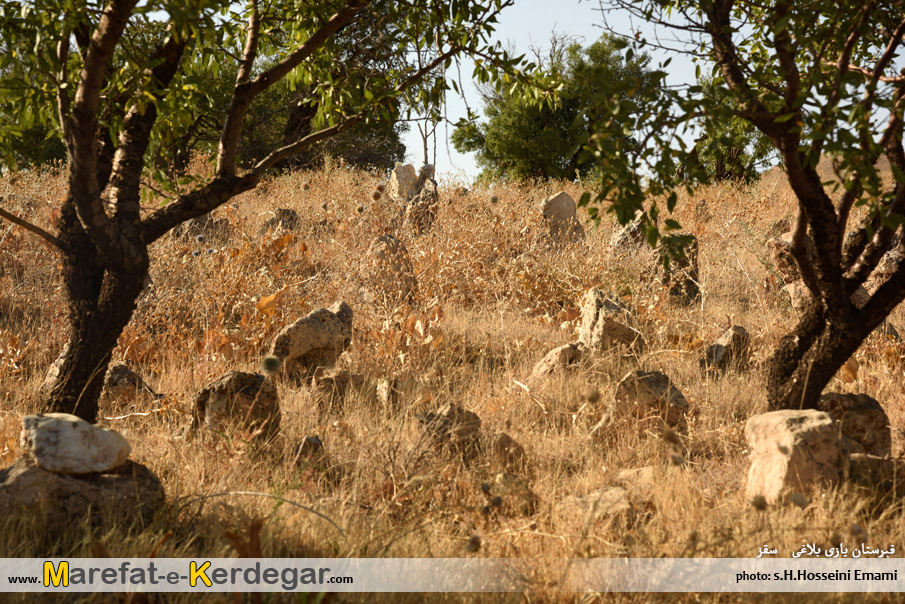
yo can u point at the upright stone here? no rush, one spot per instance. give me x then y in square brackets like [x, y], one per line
[792, 452]
[559, 212]
[390, 270]
[238, 400]
[403, 183]
[603, 324]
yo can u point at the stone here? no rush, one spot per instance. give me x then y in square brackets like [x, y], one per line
[792, 452]
[799, 296]
[886, 474]
[127, 495]
[681, 276]
[780, 250]
[631, 235]
[315, 340]
[421, 210]
[733, 349]
[647, 394]
[506, 452]
[283, 219]
[403, 183]
[512, 494]
[559, 358]
[389, 392]
[312, 447]
[205, 226]
[601, 509]
[332, 384]
[642, 481]
[559, 212]
[123, 383]
[238, 400]
[603, 324]
[862, 420]
[390, 269]
[66, 444]
[453, 426]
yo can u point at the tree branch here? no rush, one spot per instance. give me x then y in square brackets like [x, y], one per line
[83, 148]
[245, 91]
[194, 204]
[304, 143]
[33, 228]
[719, 27]
[841, 68]
[63, 102]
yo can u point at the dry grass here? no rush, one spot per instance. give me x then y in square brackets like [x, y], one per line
[492, 299]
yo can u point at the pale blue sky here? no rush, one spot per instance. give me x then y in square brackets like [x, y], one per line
[530, 22]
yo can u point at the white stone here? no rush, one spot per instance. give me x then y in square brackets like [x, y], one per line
[403, 183]
[66, 444]
[792, 452]
[560, 213]
[600, 330]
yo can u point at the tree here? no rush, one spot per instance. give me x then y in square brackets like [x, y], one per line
[816, 78]
[729, 147]
[278, 117]
[109, 113]
[37, 142]
[522, 139]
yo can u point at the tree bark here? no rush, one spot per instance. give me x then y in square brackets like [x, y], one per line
[101, 301]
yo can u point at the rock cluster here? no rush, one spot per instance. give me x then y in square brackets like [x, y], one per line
[797, 452]
[71, 469]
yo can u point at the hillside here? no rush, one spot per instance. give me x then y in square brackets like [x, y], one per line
[493, 298]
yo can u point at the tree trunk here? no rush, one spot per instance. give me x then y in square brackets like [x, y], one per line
[101, 302]
[807, 358]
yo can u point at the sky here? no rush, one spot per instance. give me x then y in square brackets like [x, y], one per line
[527, 23]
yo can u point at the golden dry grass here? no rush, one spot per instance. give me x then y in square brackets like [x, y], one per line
[493, 298]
